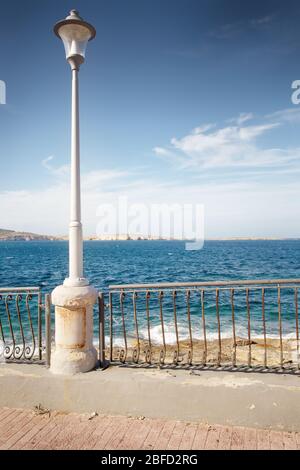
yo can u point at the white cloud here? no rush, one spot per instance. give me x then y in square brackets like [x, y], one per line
[59, 172]
[251, 132]
[207, 147]
[255, 193]
[289, 115]
[243, 117]
[89, 180]
[45, 162]
[265, 20]
[161, 151]
[241, 208]
[97, 178]
[204, 128]
[230, 30]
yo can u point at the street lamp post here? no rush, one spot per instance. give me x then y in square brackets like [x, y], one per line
[74, 300]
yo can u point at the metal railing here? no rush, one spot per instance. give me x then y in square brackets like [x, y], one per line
[24, 333]
[235, 324]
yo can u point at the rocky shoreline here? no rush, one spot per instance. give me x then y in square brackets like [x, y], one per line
[244, 353]
[12, 235]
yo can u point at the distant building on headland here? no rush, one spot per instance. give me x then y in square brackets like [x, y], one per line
[124, 237]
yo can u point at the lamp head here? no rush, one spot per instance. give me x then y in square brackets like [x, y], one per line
[75, 34]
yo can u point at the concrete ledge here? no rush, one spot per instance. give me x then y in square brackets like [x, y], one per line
[255, 400]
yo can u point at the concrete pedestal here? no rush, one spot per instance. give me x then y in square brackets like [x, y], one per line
[74, 350]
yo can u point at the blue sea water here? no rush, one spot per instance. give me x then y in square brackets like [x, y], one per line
[45, 264]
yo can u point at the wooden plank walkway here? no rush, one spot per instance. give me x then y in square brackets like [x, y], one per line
[24, 429]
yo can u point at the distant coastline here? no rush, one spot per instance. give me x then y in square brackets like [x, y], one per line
[156, 238]
[13, 235]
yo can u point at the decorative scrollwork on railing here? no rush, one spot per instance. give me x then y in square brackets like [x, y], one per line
[219, 324]
[204, 353]
[1, 327]
[19, 349]
[17, 324]
[136, 350]
[122, 355]
[190, 352]
[30, 349]
[176, 351]
[148, 355]
[123, 351]
[148, 349]
[162, 353]
[135, 355]
[9, 350]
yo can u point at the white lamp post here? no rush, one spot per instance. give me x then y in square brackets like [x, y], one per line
[75, 34]
[74, 300]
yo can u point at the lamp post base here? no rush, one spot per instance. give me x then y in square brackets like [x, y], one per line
[70, 362]
[74, 350]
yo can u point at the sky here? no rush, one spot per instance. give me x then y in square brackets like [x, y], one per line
[181, 101]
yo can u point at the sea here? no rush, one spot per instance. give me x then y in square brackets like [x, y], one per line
[45, 263]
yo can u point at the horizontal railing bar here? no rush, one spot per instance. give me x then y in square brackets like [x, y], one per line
[198, 289]
[174, 285]
[19, 289]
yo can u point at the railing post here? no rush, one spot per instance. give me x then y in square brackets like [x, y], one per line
[101, 330]
[48, 329]
[110, 327]
[40, 329]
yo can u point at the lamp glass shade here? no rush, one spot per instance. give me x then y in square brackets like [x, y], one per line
[75, 38]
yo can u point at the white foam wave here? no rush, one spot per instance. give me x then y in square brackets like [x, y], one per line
[197, 334]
